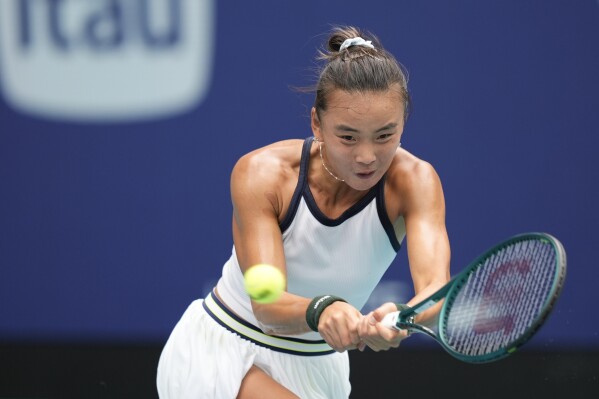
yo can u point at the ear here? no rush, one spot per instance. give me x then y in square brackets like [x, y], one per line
[315, 123]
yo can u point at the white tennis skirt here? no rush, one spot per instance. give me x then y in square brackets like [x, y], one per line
[210, 350]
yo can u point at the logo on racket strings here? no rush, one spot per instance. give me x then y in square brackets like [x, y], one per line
[502, 290]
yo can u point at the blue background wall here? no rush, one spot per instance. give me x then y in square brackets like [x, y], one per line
[111, 224]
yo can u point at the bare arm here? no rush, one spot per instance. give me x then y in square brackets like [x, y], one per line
[257, 199]
[423, 209]
[428, 244]
[259, 196]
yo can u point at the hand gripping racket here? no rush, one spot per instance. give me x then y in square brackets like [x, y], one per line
[498, 302]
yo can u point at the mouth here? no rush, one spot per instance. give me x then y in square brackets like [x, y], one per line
[365, 175]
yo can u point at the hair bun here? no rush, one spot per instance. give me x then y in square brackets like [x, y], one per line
[341, 34]
[356, 61]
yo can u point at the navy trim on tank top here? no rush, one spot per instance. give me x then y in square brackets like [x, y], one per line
[381, 208]
[302, 179]
[302, 189]
[351, 211]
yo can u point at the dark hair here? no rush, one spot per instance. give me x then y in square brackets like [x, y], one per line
[358, 68]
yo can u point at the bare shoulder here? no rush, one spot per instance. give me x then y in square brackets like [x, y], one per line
[408, 168]
[270, 162]
[267, 174]
[412, 182]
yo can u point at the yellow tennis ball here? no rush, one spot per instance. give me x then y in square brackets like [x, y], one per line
[264, 283]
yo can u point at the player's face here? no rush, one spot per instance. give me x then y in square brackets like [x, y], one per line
[361, 133]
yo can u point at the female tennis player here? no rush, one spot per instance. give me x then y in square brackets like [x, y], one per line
[330, 212]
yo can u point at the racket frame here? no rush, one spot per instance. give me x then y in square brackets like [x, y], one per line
[404, 318]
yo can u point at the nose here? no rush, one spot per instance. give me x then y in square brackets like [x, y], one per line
[364, 154]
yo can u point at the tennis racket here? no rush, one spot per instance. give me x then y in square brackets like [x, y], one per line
[497, 303]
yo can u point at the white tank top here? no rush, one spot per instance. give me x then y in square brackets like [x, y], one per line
[345, 257]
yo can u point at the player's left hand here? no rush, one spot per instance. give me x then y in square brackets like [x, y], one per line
[375, 335]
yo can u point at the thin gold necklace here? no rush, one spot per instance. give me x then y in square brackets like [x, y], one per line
[322, 160]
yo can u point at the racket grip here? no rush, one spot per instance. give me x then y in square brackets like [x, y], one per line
[390, 320]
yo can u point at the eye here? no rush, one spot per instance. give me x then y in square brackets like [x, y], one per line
[347, 138]
[385, 136]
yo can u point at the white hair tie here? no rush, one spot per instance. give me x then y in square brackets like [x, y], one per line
[356, 41]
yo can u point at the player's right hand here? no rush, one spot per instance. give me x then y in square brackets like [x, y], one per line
[338, 326]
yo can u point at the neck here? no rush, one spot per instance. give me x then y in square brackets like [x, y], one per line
[325, 165]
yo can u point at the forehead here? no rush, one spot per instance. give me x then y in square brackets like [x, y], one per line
[386, 104]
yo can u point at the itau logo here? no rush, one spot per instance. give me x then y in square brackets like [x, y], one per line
[105, 60]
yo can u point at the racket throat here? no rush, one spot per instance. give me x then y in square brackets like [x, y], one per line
[417, 328]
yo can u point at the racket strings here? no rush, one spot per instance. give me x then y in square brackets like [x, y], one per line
[530, 302]
[525, 303]
[500, 299]
[498, 327]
